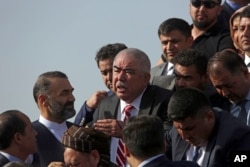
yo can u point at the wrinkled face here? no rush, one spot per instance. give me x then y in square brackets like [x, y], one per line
[195, 131]
[29, 142]
[61, 99]
[173, 42]
[75, 158]
[128, 78]
[232, 86]
[106, 67]
[204, 17]
[189, 77]
[244, 34]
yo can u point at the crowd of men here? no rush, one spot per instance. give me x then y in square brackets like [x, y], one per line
[192, 109]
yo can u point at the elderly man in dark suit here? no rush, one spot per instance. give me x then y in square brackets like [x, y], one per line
[131, 74]
[202, 134]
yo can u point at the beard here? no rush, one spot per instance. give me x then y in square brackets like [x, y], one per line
[202, 25]
[60, 111]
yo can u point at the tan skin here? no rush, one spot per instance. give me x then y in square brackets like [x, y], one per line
[202, 14]
[128, 83]
[23, 144]
[105, 67]
[188, 76]
[244, 34]
[172, 43]
[61, 91]
[196, 130]
[232, 86]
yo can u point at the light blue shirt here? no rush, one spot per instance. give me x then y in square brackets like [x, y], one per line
[235, 110]
[10, 157]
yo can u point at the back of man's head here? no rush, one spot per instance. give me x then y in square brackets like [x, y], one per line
[10, 124]
[143, 136]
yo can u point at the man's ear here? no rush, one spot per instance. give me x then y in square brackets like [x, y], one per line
[42, 100]
[126, 151]
[95, 155]
[17, 138]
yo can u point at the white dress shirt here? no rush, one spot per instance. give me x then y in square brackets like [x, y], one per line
[55, 128]
[120, 116]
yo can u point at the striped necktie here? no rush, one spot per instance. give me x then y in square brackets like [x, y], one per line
[120, 157]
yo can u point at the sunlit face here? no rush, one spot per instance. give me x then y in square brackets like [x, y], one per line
[75, 158]
[189, 77]
[29, 142]
[203, 17]
[173, 42]
[106, 67]
[244, 33]
[232, 86]
[128, 78]
[235, 30]
[195, 131]
[61, 99]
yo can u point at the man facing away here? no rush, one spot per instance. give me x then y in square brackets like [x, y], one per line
[17, 137]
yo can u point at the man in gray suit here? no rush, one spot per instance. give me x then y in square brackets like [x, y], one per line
[131, 74]
[175, 35]
[202, 134]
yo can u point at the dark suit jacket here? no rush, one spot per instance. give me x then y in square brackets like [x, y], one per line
[163, 161]
[49, 148]
[229, 135]
[154, 102]
[3, 160]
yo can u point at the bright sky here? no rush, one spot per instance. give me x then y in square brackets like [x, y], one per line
[45, 35]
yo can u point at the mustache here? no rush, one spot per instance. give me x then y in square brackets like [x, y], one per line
[121, 84]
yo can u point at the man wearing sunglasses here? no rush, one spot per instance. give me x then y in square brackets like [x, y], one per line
[209, 35]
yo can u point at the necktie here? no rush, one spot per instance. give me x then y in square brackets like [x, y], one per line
[243, 114]
[196, 154]
[120, 157]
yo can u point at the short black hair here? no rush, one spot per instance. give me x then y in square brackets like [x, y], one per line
[10, 123]
[187, 102]
[42, 84]
[175, 24]
[230, 60]
[192, 57]
[109, 51]
[144, 136]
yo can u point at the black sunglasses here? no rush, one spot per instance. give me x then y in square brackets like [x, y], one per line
[206, 4]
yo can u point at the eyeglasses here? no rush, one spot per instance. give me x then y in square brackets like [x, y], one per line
[206, 4]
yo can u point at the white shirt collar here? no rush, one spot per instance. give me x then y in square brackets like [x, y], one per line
[55, 128]
[10, 157]
[149, 160]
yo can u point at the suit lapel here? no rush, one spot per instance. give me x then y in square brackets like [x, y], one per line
[113, 106]
[146, 102]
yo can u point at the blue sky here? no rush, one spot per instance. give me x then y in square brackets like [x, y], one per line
[39, 36]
